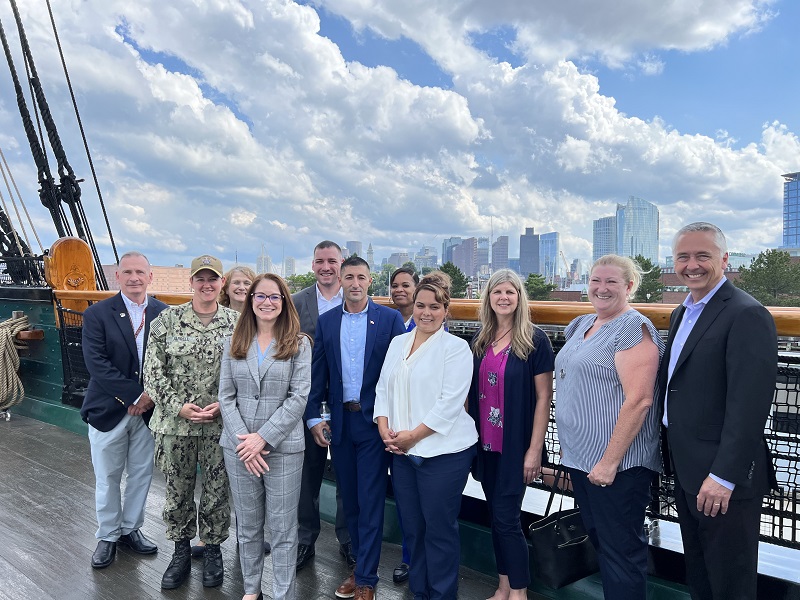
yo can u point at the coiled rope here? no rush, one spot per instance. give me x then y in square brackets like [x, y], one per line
[11, 390]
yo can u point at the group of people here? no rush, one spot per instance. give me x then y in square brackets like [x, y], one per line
[256, 395]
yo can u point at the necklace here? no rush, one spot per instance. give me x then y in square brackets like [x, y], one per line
[497, 339]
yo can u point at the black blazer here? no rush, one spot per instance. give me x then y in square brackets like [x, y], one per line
[721, 393]
[109, 351]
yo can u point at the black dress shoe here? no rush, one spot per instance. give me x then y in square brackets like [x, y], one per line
[138, 543]
[304, 554]
[179, 567]
[346, 550]
[104, 554]
[213, 569]
[400, 573]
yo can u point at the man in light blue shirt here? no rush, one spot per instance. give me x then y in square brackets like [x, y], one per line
[349, 349]
[717, 380]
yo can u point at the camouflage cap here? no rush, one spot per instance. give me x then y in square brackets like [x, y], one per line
[206, 262]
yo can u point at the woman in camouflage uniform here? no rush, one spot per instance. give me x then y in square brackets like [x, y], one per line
[181, 375]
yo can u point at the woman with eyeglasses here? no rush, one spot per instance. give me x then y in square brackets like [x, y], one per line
[264, 385]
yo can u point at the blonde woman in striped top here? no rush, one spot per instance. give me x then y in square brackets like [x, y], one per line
[607, 426]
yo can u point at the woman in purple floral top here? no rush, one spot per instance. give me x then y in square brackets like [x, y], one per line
[510, 397]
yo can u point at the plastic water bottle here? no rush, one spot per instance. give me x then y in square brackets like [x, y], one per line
[325, 415]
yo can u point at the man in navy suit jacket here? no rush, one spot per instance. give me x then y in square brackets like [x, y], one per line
[116, 408]
[349, 349]
[717, 380]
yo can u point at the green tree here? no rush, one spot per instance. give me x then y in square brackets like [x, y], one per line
[300, 282]
[457, 278]
[651, 289]
[380, 281]
[426, 270]
[772, 279]
[538, 288]
[410, 265]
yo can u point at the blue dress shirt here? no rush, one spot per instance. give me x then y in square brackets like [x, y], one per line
[690, 317]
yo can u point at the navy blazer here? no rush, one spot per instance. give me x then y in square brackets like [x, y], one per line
[720, 394]
[383, 324]
[109, 351]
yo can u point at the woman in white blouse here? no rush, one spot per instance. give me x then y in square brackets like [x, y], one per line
[419, 409]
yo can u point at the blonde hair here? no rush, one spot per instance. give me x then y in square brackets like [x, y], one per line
[522, 327]
[224, 298]
[631, 270]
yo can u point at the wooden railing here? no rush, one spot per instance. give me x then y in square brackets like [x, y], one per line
[787, 320]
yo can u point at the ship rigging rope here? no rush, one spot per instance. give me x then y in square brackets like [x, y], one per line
[11, 390]
[22, 203]
[3, 169]
[83, 133]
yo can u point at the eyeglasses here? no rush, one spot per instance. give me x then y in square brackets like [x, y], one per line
[273, 298]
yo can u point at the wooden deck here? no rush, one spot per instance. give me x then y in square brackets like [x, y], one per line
[47, 525]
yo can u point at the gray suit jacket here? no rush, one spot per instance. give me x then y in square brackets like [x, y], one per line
[269, 400]
[305, 301]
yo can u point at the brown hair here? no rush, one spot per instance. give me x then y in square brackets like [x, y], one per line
[286, 332]
[437, 282]
[224, 298]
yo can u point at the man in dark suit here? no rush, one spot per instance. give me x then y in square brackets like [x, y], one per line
[312, 302]
[349, 349]
[717, 380]
[117, 408]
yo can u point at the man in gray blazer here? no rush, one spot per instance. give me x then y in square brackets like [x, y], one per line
[311, 302]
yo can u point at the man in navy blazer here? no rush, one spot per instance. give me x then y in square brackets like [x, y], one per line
[349, 349]
[717, 381]
[117, 408]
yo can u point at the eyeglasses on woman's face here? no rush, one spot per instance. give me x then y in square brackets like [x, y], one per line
[273, 298]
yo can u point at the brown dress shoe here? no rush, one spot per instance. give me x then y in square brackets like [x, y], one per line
[348, 587]
[365, 592]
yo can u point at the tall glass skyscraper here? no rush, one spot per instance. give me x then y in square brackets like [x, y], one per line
[549, 248]
[604, 237]
[791, 210]
[637, 229]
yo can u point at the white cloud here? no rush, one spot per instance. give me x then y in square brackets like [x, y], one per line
[229, 124]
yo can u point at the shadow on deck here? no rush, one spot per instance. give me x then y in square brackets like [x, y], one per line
[47, 525]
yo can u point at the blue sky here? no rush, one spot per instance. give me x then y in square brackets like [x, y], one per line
[219, 127]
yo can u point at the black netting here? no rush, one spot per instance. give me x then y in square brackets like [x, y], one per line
[76, 376]
[26, 271]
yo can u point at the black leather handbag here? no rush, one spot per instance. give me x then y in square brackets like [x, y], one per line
[561, 551]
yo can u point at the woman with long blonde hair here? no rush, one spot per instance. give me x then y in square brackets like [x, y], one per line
[510, 397]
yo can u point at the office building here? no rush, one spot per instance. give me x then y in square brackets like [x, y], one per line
[264, 262]
[289, 267]
[398, 259]
[465, 256]
[549, 255]
[604, 237]
[791, 211]
[426, 257]
[528, 252]
[500, 253]
[637, 229]
[354, 248]
[482, 256]
[447, 248]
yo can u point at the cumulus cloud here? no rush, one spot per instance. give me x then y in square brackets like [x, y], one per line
[231, 124]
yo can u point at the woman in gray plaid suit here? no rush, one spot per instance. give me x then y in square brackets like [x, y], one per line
[264, 384]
